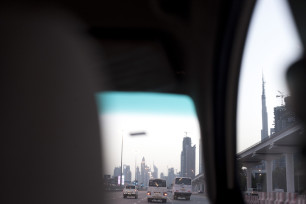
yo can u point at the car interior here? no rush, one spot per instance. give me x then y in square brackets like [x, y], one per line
[56, 55]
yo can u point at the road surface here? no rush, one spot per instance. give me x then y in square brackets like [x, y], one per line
[117, 198]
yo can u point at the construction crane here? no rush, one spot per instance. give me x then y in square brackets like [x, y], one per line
[281, 95]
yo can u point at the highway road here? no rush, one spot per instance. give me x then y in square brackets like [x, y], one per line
[117, 198]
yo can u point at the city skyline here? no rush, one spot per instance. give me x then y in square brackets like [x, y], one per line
[143, 172]
[138, 178]
[164, 127]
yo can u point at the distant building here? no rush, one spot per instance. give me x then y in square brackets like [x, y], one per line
[155, 172]
[127, 174]
[162, 176]
[283, 116]
[264, 130]
[117, 172]
[171, 176]
[137, 175]
[147, 176]
[188, 158]
[142, 173]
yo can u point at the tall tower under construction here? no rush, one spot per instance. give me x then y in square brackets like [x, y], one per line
[188, 158]
[264, 130]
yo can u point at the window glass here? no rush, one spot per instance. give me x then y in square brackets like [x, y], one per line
[149, 136]
[267, 129]
[185, 181]
[157, 183]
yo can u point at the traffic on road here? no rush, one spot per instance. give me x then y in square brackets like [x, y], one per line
[117, 198]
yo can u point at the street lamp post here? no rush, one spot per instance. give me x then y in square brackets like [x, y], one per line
[136, 179]
[121, 159]
[131, 134]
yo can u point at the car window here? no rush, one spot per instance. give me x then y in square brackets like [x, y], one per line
[157, 183]
[147, 136]
[267, 128]
[185, 181]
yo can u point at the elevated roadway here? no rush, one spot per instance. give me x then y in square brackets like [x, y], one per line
[284, 143]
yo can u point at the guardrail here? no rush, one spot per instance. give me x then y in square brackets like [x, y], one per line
[275, 198]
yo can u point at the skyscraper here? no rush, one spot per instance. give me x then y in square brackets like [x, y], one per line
[143, 166]
[127, 174]
[264, 130]
[170, 177]
[155, 172]
[117, 171]
[137, 175]
[188, 158]
[147, 176]
[284, 117]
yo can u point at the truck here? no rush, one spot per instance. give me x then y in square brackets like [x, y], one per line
[157, 190]
[182, 188]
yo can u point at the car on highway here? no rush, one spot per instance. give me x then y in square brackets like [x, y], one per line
[157, 190]
[130, 191]
[182, 188]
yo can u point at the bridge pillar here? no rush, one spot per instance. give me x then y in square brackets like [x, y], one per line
[202, 188]
[269, 175]
[249, 178]
[290, 172]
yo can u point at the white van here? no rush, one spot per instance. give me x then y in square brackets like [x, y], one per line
[157, 190]
[130, 190]
[182, 188]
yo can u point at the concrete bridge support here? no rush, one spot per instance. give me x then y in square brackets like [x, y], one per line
[249, 177]
[269, 175]
[290, 172]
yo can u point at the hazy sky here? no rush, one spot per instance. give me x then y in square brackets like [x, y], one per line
[272, 45]
[164, 117]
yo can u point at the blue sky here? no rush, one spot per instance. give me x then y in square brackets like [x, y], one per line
[145, 103]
